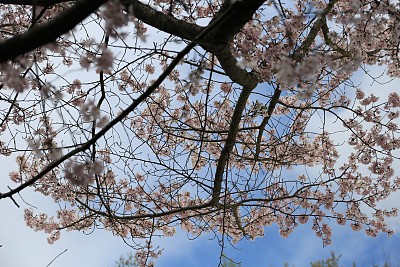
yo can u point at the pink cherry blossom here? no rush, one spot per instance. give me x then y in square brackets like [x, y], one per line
[220, 117]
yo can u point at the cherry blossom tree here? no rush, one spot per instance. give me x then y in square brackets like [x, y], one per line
[147, 117]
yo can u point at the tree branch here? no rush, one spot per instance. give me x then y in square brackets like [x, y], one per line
[270, 110]
[243, 13]
[161, 21]
[230, 143]
[41, 3]
[301, 52]
[237, 74]
[48, 32]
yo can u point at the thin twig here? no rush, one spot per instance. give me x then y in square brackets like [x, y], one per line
[56, 257]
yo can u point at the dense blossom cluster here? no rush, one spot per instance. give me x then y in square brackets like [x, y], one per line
[226, 141]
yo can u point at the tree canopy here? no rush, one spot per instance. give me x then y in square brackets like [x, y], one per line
[146, 117]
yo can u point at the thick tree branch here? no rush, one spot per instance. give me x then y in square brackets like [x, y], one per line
[240, 13]
[243, 13]
[48, 32]
[41, 3]
[230, 143]
[161, 21]
[237, 74]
